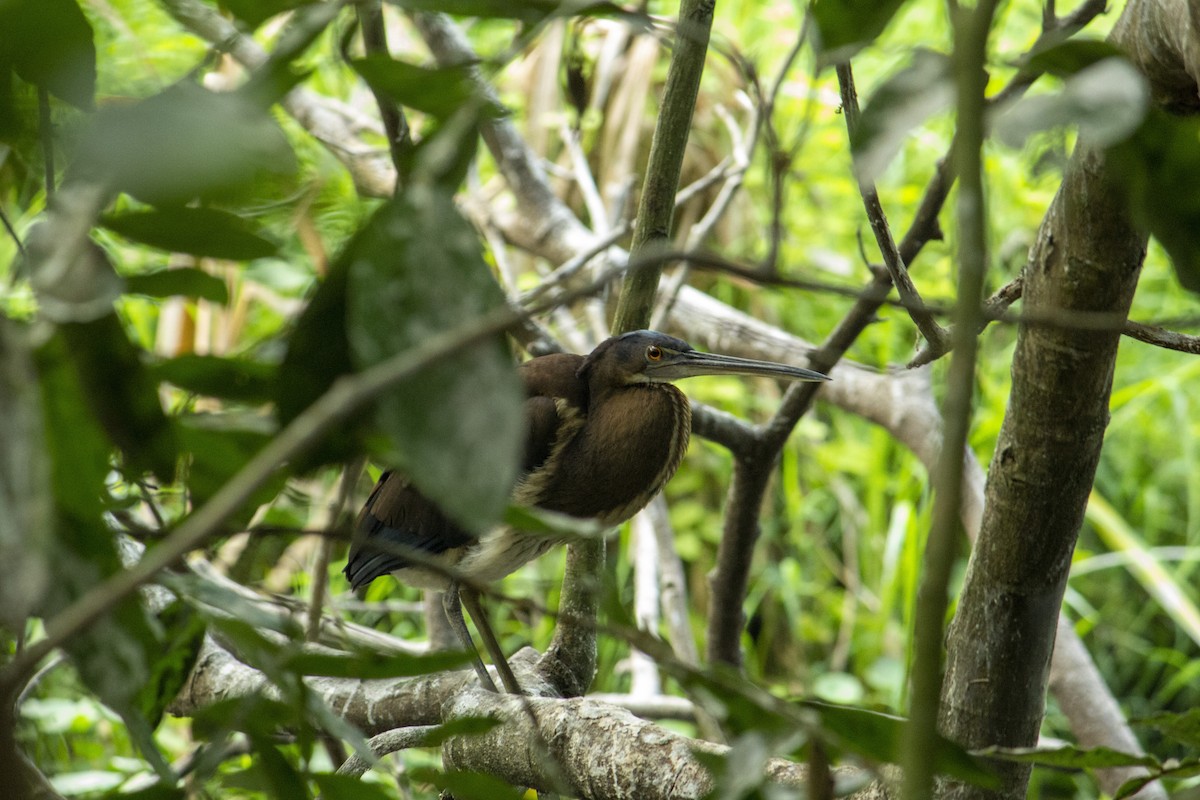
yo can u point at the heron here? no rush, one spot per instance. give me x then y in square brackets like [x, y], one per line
[604, 434]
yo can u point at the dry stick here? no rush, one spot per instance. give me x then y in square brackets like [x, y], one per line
[971, 28]
[892, 259]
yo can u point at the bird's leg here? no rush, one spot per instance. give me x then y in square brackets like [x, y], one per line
[470, 598]
[454, 613]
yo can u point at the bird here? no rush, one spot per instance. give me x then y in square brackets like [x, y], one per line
[604, 433]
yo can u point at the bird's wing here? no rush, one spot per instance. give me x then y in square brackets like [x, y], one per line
[397, 519]
[549, 380]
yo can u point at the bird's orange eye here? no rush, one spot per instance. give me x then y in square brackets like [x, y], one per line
[654, 353]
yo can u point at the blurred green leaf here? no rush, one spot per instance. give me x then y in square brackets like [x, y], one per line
[879, 736]
[26, 503]
[184, 143]
[282, 780]
[437, 91]
[219, 446]
[1066, 58]
[237, 379]
[182, 282]
[372, 665]
[457, 426]
[318, 352]
[159, 791]
[468, 785]
[183, 634]
[1179, 770]
[49, 44]
[1106, 100]
[904, 101]
[199, 231]
[1158, 169]
[348, 787]
[846, 26]
[122, 394]
[1069, 757]
[1183, 727]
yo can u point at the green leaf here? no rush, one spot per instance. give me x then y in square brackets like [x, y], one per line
[468, 785]
[1158, 169]
[1107, 101]
[1178, 770]
[318, 353]
[439, 91]
[457, 426]
[219, 446]
[159, 791]
[1183, 727]
[880, 736]
[199, 231]
[846, 26]
[26, 502]
[182, 282]
[122, 394]
[1066, 58]
[370, 666]
[527, 11]
[228, 378]
[1069, 757]
[49, 44]
[904, 101]
[184, 143]
[183, 634]
[348, 787]
[282, 780]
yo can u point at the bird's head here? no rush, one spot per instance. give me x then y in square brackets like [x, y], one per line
[653, 357]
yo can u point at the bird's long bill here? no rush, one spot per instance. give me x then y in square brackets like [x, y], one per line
[693, 363]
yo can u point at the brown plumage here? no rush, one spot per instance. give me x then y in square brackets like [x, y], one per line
[605, 433]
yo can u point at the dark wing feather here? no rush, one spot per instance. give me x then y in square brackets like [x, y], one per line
[395, 519]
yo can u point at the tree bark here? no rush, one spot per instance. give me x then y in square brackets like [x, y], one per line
[1087, 258]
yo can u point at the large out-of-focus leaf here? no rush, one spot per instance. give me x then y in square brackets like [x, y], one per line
[317, 354]
[219, 446]
[182, 282]
[457, 426]
[214, 376]
[348, 787]
[901, 103]
[468, 785]
[26, 505]
[1158, 168]
[437, 91]
[1066, 58]
[113, 654]
[396, 665]
[183, 630]
[184, 143]
[846, 26]
[1106, 100]
[527, 11]
[122, 394]
[49, 44]
[1183, 727]
[1071, 757]
[880, 736]
[199, 231]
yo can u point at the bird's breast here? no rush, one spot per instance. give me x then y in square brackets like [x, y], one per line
[609, 465]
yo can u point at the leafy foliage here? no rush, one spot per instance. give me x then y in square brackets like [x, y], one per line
[135, 389]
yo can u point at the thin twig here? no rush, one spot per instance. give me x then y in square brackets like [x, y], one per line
[933, 333]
